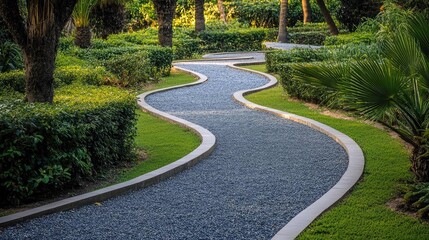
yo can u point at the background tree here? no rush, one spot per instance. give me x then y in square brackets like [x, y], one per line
[37, 32]
[332, 27]
[353, 12]
[165, 13]
[221, 8]
[108, 17]
[81, 20]
[200, 22]
[306, 11]
[283, 35]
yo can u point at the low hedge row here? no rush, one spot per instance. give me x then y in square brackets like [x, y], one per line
[350, 38]
[50, 146]
[236, 40]
[334, 53]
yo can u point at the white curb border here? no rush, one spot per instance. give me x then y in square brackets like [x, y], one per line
[207, 146]
[352, 175]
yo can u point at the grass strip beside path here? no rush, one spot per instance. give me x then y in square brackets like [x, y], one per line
[364, 213]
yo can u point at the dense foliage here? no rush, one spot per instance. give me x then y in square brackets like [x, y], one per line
[352, 13]
[46, 147]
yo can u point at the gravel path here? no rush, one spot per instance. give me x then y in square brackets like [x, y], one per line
[263, 172]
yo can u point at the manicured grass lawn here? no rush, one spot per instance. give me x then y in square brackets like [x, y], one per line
[364, 213]
[164, 142]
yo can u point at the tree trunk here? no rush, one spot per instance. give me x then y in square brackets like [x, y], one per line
[200, 22]
[83, 37]
[165, 10]
[420, 163]
[108, 19]
[39, 70]
[38, 40]
[332, 27]
[306, 11]
[283, 35]
[221, 9]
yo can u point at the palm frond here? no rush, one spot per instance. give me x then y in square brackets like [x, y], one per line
[418, 28]
[81, 12]
[328, 75]
[373, 87]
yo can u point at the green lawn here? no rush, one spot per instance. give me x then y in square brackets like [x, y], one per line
[363, 214]
[164, 142]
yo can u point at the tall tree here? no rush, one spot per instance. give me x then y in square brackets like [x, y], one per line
[332, 27]
[165, 10]
[306, 11]
[200, 21]
[283, 35]
[221, 9]
[37, 33]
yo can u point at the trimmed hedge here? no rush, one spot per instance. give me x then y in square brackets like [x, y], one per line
[232, 40]
[49, 146]
[13, 80]
[350, 38]
[310, 38]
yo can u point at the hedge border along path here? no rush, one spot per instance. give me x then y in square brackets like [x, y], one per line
[202, 151]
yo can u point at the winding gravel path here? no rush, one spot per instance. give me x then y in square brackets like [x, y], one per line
[263, 172]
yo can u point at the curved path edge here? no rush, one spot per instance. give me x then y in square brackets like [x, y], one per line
[352, 175]
[203, 150]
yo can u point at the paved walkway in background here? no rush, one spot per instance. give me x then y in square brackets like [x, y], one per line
[263, 172]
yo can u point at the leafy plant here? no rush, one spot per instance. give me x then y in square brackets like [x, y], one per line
[10, 57]
[393, 91]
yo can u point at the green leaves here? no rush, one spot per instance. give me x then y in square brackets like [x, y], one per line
[373, 87]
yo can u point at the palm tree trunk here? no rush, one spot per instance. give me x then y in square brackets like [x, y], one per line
[283, 35]
[200, 22]
[165, 10]
[306, 10]
[420, 163]
[38, 40]
[332, 27]
[83, 37]
[221, 9]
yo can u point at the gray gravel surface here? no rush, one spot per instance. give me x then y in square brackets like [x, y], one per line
[263, 172]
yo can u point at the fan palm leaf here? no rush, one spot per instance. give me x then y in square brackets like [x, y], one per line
[328, 75]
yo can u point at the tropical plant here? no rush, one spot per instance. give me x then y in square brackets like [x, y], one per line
[332, 27]
[81, 20]
[10, 57]
[393, 90]
[352, 12]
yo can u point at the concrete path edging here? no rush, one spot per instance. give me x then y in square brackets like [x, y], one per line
[203, 150]
[352, 175]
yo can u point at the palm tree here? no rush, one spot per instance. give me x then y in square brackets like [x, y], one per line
[221, 8]
[165, 10]
[306, 11]
[37, 32]
[332, 27]
[283, 35]
[393, 90]
[200, 22]
[81, 20]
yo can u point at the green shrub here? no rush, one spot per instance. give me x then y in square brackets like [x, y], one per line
[90, 76]
[233, 40]
[310, 38]
[275, 59]
[63, 60]
[48, 146]
[104, 54]
[10, 57]
[350, 38]
[352, 13]
[14, 80]
[186, 48]
[160, 58]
